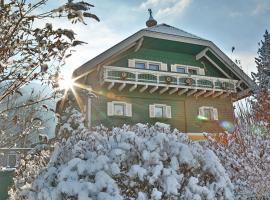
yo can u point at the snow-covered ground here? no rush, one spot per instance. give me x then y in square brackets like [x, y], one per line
[139, 162]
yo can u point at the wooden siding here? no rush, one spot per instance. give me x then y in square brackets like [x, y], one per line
[168, 58]
[184, 111]
[225, 113]
[140, 109]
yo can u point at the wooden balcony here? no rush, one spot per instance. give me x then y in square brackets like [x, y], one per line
[170, 82]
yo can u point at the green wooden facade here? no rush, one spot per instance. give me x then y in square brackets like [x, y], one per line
[184, 111]
[168, 57]
[114, 77]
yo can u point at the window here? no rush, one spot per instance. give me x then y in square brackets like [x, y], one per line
[12, 158]
[147, 64]
[119, 108]
[140, 65]
[154, 67]
[192, 71]
[181, 70]
[8, 159]
[208, 113]
[159, 111]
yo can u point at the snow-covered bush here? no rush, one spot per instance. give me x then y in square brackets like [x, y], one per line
[139, 162]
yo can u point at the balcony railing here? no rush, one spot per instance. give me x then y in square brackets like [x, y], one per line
[167, 79]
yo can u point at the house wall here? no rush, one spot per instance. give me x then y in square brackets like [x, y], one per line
[184, 110]
[169, 58]
[225, 113]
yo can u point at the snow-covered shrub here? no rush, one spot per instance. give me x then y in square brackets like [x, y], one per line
[139, 162]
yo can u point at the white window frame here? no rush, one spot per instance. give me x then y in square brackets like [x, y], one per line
[166, 111]
[127, 109]
[214, 113]
[200, 71]
[162, 66]
[197, 69]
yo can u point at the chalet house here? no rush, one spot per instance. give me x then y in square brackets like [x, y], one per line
[162, 74]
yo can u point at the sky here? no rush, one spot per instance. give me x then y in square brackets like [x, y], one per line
[238, 23]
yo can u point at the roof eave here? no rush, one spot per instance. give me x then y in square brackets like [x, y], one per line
[94, 62]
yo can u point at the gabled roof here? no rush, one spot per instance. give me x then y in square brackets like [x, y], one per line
[167, 29]
[166, 32]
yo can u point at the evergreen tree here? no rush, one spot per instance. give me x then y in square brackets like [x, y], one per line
[261, 104]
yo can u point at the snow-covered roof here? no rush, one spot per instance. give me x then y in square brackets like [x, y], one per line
[167, 29]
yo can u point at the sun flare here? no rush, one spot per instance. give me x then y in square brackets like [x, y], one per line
[66, 82]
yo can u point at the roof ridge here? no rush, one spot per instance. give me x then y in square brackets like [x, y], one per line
[181, 32]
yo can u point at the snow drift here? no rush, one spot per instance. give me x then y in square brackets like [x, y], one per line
[139, 162]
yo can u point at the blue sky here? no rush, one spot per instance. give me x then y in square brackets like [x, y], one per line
[240, 23]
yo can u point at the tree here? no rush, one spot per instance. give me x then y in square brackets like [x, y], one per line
[246, 156]
[261, 103]
[26, 123]
[29, 52]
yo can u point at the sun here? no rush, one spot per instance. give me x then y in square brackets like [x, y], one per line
[66, 82]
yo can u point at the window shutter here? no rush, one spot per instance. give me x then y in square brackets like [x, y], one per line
[201, 111]
[201, 71]
[131, 63]
[128, 109]
[151, 111]
[110, 108]
[163, 67]
[168, 112]
[215, 113]
[173, 68]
